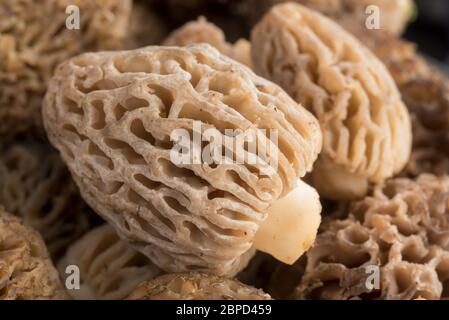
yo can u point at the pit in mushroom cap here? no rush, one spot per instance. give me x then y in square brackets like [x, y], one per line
[110, 114]
[366, 127]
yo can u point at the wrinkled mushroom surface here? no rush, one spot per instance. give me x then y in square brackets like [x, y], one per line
[108, 267]
[202, 31]
[36, 186]
[111, 115]
[425, 91]
[26, 271]
[34, 40]
[366, 126]
[196, 286]
[401, 232]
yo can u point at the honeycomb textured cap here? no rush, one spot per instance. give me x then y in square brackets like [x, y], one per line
[195, 286]
[202, 31]
[26, 271]
[402, 229]
[366, 127]
[32, 44]
[111, 115]
[394, 14]
[36, 186]
[109, 268]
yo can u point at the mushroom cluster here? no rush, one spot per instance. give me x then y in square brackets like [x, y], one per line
[34, 39]
[220, 149]
[37, 187]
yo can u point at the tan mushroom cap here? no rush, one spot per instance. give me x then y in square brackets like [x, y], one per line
[111, 115]
[425, 91]
[109, 268]
[36, 186]
[366, 127]
[402, 230]
[195, 286]
[26, 271]
[202, 31]
[34, 40]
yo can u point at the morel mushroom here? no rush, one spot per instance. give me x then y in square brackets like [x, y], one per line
[108, 267]
[195, 286]
[36, 186]
[401, 232]
[112, 116]
[34, 39]
[366, 126]
[425, 91]
[26, 271]
[201, 31]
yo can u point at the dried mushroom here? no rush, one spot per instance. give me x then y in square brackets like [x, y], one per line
[425, 91]
[393, 15]
[34, 39]
[366, 126]
[36, 186]
[201, 31]
[112, 114]
[195, 286]
[109, 268]
[402, 229]
[26, 271]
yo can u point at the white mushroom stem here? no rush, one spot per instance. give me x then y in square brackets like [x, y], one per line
[291, 225]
